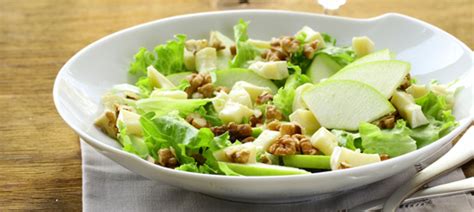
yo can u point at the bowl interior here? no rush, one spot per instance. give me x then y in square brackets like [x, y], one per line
[432, 53]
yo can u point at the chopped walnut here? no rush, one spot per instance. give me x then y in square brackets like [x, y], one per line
[309, 49]
[273, 113]
[196, 120]
[281, 48]
[195, 45]
[274, 125]
[238, 156]
[199, 158]
[255, 121]
[222, 88]
[265, 159]
[236, 131]
[289, 129]
[264, 98]
[200, 86]
[306, 146]
[233, 50]
[284, 145]
[107, 123]
[386, 122]
[167, 158]
[384, 157]
[345, 165]
[406, 82]
[248, 139]
[217, 44]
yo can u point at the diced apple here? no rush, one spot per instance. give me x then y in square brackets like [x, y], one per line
[385, 76]
[220, 100]
[253, 90]
[324, 141]
[417, 90]
[298, 102]
[362, 45]
[132, 121]
[250, 148]
[344, 104]
[261, 169]
[216, 35]
[275, 70]
[261, 44]
[381, 55]
[312, 35]
[306, 120]
[157, 79]
[234, 112]
[407, 108]
[266, 138]
[223, 58]
[240, 96]
[323, 66]
[345, 158]
[174, 94]
[189, 60]
[206, 60]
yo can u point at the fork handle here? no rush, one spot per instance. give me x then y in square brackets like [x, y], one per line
[461, 153]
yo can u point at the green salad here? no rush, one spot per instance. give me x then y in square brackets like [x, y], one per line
[296, 104]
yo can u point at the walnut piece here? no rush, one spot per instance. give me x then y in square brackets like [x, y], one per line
[281, 49]
[289, 129]
[107, 123]
[273, 113]
[284, 145]
[264, 98]
[306, 146]
[167, 158]
[405, 83]
[265, 159]
[386, 122]
[200, 86]
[239, 156]
[274, 125]
[236, 131]
[255, 121]
[196, 120]
[384, 157]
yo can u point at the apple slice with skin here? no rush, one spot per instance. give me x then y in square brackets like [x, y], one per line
[380, 55]
[343, 104]
[385, 76]
[308, 161]
[261, 169]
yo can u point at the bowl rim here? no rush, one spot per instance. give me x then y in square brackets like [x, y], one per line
[98, 145]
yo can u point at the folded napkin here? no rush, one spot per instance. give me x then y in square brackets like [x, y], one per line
[109, 187]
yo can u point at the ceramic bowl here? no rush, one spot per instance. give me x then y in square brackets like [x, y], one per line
[433, 54]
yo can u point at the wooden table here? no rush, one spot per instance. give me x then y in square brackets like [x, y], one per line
[40, 160]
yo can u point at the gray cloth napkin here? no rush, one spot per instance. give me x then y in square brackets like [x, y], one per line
[109, 187]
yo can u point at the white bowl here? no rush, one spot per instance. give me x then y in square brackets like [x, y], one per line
[433, 54]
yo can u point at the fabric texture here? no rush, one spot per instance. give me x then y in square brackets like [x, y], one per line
[108, 186]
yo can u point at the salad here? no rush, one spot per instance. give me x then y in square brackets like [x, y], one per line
[296, 104]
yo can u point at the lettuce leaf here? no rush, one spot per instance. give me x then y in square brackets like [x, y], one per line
[283, 99]
[133, 144]
[142, 59]
[245, 52]
[173, 131]
[166, 58]
[393, 142]
[347, 139]
[164, 105]
[441, 120]
[170, 56]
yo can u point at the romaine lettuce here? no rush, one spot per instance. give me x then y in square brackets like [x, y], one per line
[163, 105]
[245, 51]
[393, 142]
[283, 100]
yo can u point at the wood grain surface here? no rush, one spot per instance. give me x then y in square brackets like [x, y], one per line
[40, 161]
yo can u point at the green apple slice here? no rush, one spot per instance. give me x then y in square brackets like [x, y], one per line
[380, 55]
[308, 161]
[261, 169]
[385, 76]
[343, 104]
[228, 78]
[323, 66]
[178, 77]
